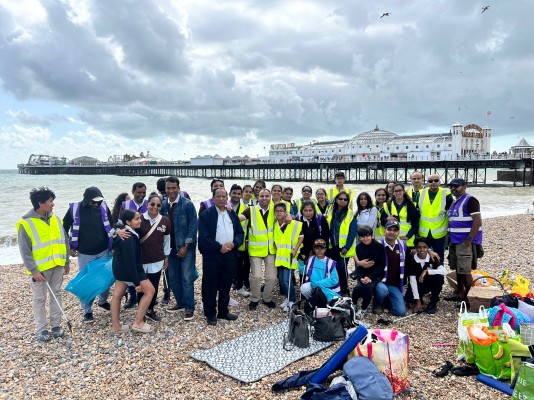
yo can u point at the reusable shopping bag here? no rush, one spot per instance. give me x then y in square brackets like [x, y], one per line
[465, 346]
[95, 278]
[389, 351]
[492, 355]
[524, 389]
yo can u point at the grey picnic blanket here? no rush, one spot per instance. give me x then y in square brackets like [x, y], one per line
[256, 354]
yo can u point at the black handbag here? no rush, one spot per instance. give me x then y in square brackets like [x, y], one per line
[299, 330]
[509, 300]
[328, 329]
[316, 300]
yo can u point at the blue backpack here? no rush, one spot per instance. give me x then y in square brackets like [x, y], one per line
[368, 383]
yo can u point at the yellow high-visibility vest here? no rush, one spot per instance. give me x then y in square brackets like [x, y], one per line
[380, 230]
[433, 215]
[411, 193]
[287, 203]
[285, 242]
[49, 247]
[260, 237]
[332, 193]
[405, 226]
[344, 233]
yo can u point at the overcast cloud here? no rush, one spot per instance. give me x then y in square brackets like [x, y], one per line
[182, 78]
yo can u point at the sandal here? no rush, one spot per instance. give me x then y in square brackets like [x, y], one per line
[124, 329]
[443, 371]
[144, 329]
[466, 370]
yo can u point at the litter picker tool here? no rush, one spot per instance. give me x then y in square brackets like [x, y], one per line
[69, 325]
[389, 322]
[286, 336]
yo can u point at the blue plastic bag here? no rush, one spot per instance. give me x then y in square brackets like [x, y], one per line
[95, 278]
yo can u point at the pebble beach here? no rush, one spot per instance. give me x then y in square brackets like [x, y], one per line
[93, 364]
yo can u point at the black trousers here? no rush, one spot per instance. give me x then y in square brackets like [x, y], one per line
[341, 268]
[154, 279]
[218, 271]
[431, 284]
[243, 270]
[364, 291]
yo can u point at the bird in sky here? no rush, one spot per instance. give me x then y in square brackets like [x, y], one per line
[485, 8]
[386, 14]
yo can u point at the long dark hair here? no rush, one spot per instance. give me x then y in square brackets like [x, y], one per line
[304, 204]
[117, 206]
[369, 202]
[385, 192]
[335, 206]
[410, 207]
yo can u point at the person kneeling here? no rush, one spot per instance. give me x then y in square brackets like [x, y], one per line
[370, 263]
[319, 274]
[426, 276]
[128, 270]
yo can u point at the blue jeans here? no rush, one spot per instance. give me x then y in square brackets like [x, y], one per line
[284, 277]
[182, 278]
[392, 297]
[83, 260]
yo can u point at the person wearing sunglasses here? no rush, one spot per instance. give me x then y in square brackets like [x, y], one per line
[343, 230]
[89, 228]
[402, 209]
[155, 239]
[465, 233]
[434, 202]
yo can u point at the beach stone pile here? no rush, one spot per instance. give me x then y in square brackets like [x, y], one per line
[93, 364]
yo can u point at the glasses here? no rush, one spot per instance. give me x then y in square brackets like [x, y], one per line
[398, 191]
[306, 191]
[433, 181]
[342, 199]
[155, 205]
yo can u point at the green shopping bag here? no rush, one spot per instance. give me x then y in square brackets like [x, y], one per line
[492, 355]
[465, 346]
[519, 352]
[524, 387]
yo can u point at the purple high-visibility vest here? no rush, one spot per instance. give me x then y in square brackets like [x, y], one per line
[402, 254]
[208, 203]
[461, 222]
[75, 229]
[131, 205]
[318, 218]
[330, 265]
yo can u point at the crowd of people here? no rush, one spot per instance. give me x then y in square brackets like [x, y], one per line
[253, 239]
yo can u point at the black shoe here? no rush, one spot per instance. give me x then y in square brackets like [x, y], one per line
[270, 304]
[211, 321]
[130, 303]
[88, 318]
[57, 332]
[106, 306]
[166, 299]
[43, 336]
[228, 317]
[431, 308]
[378, 310]
[151, 315]
[253, 305]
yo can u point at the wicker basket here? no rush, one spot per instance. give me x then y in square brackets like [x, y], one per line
[482, 295]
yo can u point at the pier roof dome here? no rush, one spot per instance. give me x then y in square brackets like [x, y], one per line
[375, 136]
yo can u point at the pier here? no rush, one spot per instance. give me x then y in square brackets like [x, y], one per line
[474, 171]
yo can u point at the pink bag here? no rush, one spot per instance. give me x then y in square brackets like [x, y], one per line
[389, 351]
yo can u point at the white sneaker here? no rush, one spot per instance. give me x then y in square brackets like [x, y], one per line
[233, 302]
[243, 292]
[288, 306]
[361, 313]
[284, 304]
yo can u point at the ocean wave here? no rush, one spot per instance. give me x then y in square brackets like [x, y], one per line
[8, 240]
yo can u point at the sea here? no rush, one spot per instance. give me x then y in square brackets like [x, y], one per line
[494, 200]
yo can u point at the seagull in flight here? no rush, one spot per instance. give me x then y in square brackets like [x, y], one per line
[485, 8]
[386, 14]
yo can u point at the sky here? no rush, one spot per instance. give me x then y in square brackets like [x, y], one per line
[187, 78]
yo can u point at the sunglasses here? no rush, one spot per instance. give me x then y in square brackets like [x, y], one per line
[433, 181]
[158, 205]
[342, 199]
[306, 191]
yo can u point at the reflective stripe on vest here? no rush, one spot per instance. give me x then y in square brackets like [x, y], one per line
[244, 224]
[208, 203]
[260, 239]
[344, 233]
[75, 228]
[132, 205]
[460, 222]
[405, 226]
[48, 242]
[285, 242]
[433, 216]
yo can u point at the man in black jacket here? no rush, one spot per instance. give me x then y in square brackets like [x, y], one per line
[88, 225]
[219, 236]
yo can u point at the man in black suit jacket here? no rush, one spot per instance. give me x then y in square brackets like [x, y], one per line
[219, 236]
